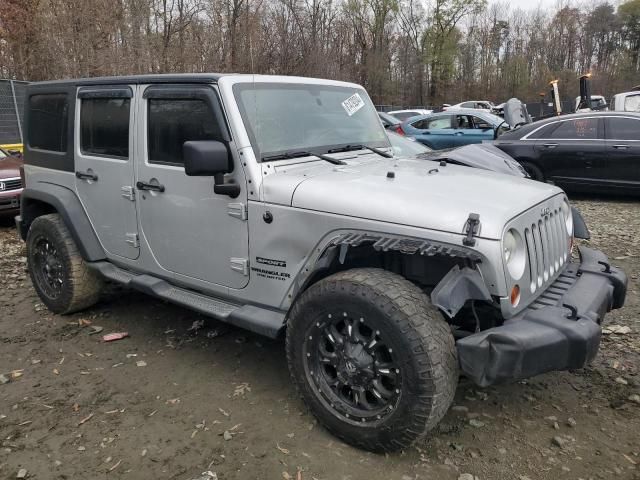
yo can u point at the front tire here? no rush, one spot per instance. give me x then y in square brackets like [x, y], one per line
[372, 358]
[59, 275]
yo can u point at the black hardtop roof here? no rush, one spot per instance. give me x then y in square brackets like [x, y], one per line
[135, 79]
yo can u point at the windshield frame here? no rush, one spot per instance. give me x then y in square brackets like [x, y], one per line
[239, 87]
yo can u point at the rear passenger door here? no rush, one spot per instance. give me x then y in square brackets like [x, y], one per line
[435, 132]
[623, 151]
[104, 166]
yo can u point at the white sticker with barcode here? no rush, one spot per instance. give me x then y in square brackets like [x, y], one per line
[352, 104]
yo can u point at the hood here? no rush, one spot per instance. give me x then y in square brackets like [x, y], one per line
[10, 166]
[515, 113]
[422, 193]
[478, 155]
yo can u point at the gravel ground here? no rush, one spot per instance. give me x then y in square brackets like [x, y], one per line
[185, 394]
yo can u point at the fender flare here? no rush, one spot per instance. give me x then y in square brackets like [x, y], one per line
[458, 286]
[580, 229]
[67, 204]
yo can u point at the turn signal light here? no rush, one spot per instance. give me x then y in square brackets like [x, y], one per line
[515, 295]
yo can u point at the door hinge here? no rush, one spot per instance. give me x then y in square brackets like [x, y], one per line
[128, 192]
[237, 210]
[132, 239]
[240, 265]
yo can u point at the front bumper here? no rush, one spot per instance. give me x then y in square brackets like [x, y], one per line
[559, 331]
[10, 201]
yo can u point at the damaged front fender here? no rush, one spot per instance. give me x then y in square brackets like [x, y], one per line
[458, 286]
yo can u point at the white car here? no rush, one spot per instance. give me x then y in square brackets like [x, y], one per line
[484, 105]
[403, 115]
[598, 102]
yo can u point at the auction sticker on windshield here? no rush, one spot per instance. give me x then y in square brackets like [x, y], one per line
[352, 104]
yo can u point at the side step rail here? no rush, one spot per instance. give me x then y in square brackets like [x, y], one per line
[260, 320]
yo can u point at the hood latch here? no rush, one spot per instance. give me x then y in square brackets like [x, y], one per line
[471, 229]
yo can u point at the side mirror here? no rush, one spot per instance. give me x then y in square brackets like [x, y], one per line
[204, 158]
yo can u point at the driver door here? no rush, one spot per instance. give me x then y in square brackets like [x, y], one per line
[187, 230]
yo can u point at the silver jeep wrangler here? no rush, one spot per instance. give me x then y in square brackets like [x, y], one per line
[275, 204]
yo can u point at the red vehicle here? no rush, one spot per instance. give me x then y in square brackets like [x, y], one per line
[10, 183]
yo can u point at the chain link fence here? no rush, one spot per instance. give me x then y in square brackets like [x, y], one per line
[12, 95]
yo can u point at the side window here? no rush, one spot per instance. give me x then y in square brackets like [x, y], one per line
[47, 127]
[544, 132]
[632, 103]
[468, 105]
[580, 128]
[171, 122]
[623, 129]
[421, 124]
[439, 122]
[104, 126]
[481, 124]
[463, 121]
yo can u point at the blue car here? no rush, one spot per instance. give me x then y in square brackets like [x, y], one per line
[454, 128]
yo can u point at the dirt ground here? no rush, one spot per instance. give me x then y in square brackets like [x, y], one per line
[185, 394]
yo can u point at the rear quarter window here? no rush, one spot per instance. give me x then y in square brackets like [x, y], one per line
[47, 125]
[623, 129]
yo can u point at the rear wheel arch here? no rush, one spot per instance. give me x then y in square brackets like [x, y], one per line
[50, 198]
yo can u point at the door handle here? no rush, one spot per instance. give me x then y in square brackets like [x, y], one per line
[459, 133]
[621, 147]
[150, 186]
[88, 175]
[550, 145]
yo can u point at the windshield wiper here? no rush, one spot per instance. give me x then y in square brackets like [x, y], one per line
[351, 148]
[288, 155]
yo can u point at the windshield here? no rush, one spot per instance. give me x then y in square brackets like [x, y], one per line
[404, 147]
[287, 117]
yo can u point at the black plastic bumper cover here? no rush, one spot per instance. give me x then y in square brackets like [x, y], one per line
[559, 331]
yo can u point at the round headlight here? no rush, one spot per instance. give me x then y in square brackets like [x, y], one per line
[514, 254]
[568, 216]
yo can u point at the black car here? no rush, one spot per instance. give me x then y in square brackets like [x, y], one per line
[580, 152]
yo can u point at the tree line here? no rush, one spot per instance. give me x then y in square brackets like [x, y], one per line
[405, 52]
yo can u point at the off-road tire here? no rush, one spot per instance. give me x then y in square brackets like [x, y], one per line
[80, 286]
[534, 171]
[420, 336]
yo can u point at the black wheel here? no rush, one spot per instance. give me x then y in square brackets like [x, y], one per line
[534, 171]
[62, 280]
[373, 359]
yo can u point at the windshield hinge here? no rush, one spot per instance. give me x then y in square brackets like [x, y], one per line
[471, 229]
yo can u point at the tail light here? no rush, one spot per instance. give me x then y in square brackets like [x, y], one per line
[22, 178]
[399, 130]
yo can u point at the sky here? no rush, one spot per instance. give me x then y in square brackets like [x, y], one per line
[552, 4]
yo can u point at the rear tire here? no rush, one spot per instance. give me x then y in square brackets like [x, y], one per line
[58, 272]
[372, 358]
[534, 171]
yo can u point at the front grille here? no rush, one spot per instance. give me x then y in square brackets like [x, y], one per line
[547, 248]
[10, 184]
